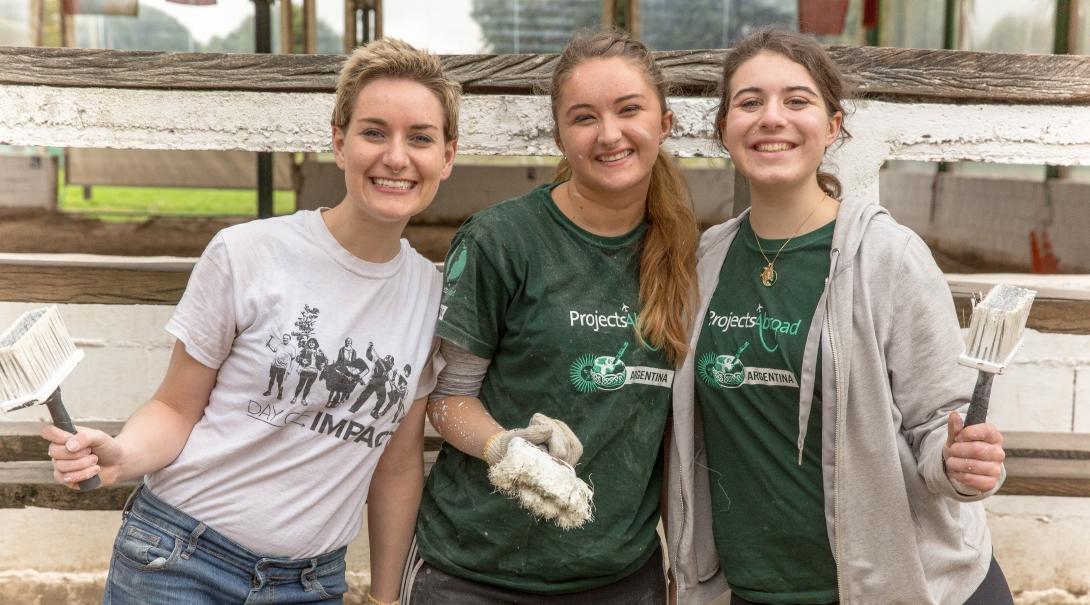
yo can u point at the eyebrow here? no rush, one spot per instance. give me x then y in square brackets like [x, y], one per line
[621, 99]
[798, 88]
[381, 122]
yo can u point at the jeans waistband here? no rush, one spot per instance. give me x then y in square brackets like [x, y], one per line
[195, 534]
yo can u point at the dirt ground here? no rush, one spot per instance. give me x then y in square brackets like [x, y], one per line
[40, 231]
[52, 232]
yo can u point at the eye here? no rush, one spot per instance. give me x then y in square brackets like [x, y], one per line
[750, 103]
[582, 118]
[372, 133]
[798, 102]
[628, 109]
[421, 139]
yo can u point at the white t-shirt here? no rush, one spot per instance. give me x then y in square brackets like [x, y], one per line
[289, 478]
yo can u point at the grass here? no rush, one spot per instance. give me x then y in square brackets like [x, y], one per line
[139, 203]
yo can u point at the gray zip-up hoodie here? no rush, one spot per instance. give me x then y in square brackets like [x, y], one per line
[899, 530]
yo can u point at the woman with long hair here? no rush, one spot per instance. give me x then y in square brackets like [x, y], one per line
[568, 302]
[818, 455]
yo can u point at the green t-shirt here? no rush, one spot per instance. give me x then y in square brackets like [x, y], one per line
[769, 514]
[554, 307]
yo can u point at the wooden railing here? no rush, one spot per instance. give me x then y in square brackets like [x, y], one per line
[927, 105]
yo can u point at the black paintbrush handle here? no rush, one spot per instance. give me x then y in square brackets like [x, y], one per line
[63, 422]
[978, 407]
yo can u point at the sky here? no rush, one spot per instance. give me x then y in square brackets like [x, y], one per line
[448, 28]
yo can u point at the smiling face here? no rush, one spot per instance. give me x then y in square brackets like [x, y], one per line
[392, 151]
[610, 124]
[776, 127]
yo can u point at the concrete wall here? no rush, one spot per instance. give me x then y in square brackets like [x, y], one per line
[991, 217]
[1044, 543]
[473, 187]
[29, 181]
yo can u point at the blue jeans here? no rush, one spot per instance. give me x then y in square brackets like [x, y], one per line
[163, 555]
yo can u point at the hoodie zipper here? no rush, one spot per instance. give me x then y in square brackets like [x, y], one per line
[837, 554]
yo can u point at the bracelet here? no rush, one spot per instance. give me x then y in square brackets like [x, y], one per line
[371, 600]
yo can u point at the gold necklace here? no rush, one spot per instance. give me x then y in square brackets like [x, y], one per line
[768, 274]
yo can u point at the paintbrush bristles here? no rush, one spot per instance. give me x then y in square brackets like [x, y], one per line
[996, 327]
[32, 351]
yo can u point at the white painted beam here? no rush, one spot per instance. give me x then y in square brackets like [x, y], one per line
[513, 125]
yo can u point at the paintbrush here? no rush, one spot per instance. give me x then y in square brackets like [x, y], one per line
[36, 355]
[995, 333]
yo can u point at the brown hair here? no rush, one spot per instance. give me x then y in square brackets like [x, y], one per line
[393, 58]
[805, 51]
[668, 256]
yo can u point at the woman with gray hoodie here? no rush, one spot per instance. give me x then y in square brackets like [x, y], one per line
[818, 455]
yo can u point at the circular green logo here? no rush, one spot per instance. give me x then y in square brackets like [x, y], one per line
[608, 373]
[725, 371]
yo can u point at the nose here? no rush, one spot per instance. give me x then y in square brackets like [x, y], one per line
[396, 156]
[772, 116]
[609, 131]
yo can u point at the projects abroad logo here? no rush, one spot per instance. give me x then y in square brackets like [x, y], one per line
[761, 321]
[591, 373]
[728, 371]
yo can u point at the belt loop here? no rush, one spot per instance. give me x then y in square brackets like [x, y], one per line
[193, 537]
[307, 576]
[132, 498]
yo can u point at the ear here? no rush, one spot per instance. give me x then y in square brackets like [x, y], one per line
[338, 146]
[556, 139]
[721, 131]
[835, 123]
[666, 126]
[449, 151]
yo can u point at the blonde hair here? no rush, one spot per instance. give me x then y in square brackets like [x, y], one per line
[668, 257]
[393, 58]
[805, 51]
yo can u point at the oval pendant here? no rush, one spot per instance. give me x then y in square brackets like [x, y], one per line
[768, 276]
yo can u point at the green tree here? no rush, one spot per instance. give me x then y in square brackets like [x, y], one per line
[689, 24]
[241, 39]
[533, 26]
[151, 30]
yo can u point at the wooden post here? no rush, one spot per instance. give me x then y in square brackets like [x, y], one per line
[68, 27]
[263, 45]
[350, 35]
[609, 13]
[378, 19]
[310, 27]
[37, 18]
[1063, 43]
[632, 17]
[287, 35]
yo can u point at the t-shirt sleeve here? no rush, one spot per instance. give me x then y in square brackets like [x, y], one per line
[204, 320]
[429, 375]
[477, 291]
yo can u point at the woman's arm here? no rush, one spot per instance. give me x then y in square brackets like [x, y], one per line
[461, 418]
[393, 502]
[152, 438]
[464, 423]
[929, 387]
[454, 408]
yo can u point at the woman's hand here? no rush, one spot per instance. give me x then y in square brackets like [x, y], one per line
[81, 456]
[973, 455]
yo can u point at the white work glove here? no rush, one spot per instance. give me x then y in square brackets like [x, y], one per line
[553, 435]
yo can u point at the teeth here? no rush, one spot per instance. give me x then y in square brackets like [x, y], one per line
[393, 184]
[617, 156]
[773, 147]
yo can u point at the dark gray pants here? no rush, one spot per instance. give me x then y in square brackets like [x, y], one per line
[993, 590]
[427, 585]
